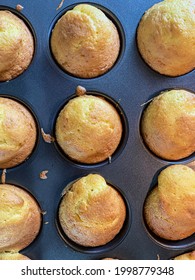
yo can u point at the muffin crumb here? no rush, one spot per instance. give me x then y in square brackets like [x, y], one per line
[43, 175]
[80, 91]
[3, 176]
[47, 137]
[60, 5]
[19, 8]
[143, 104]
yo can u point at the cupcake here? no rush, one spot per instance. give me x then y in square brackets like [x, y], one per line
[17, 133]
[16, 46]
[169, 209]
[88, 129]
[84, 42]
[91, 212]
[20, 219]
[187, 256]
[166, 36]
[12, 256]
[168, 124]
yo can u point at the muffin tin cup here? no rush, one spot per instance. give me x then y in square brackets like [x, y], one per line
[145, 146]
[121, 145]
[186, 243]
[111, 16]
[31, 29]
[30, 158]
[182, 244]
[103, 248]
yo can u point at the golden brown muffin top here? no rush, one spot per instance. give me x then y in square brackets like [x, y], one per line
[85, 42]
[16, 46]
[186, 256]
[88, 129]
[109, 259]
[92, 212]
[20, 218]
[17, 133]
[170, 207]
[168, 124]
[166, 36]
[13, 256]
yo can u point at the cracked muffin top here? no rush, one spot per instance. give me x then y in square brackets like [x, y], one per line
[168, 124]
[166, 36]
[20, 220]
[169, 209]
[85, 42]
[18, 133]
[16, 46]
[92, 212]
[88, 129]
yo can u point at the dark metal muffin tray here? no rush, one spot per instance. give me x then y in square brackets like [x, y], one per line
[44, 87]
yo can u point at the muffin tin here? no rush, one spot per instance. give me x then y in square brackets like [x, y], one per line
[45, 88]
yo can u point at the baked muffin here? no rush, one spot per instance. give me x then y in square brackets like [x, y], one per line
[12, 256]
[92, 212]
[109, 259]
[187, 256]
[166, 36]
[17, 133]
[16, 46]
[85, 42]
[169, 209]
[20, 218]
[168, 124]
[88, 129]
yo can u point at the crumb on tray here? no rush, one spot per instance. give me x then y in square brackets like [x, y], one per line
[80, 91]
[3, 176]
[43, 174]
[47, 137]
[146, 102]
[60, 5]
[19, 7]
